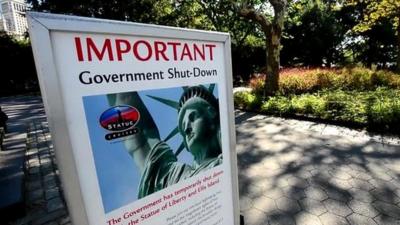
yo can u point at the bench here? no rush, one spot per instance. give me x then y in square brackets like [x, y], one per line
[2, 135]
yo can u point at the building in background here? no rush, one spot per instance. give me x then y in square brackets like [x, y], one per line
[12, 17]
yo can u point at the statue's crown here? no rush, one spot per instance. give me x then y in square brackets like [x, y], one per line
[198, 91]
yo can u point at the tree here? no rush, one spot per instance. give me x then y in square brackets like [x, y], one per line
[199, 14]
[18, 79]
[375, 13]
[376, 46]
[146, 11]
[314, 34]
[247, 40]
[272, 27]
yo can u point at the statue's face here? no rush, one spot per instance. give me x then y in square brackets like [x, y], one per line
[194, 127]
[197, 124]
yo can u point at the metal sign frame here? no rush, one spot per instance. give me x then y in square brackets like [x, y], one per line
[41, 26]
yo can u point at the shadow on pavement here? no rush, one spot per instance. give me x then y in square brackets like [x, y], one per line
[292, 170]
[20, 110]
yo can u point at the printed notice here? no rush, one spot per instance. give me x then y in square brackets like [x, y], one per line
[141, 120]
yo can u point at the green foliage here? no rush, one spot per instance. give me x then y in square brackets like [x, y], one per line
[147, 11]
[314, 34]
[248, 50]
[246, 100]
[344, 106]
[379, 14]
[356, 96]
[375, 46]
[19, 79]
[377, 109]
[317, 32]
[308, 104]
[383, 109]
[376, 11]
[277, 105]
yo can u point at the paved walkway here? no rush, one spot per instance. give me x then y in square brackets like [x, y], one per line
[305, 173]
[44, 204]
[290, 172]
[20, 110]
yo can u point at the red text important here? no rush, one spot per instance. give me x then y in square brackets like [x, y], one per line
[88, 49]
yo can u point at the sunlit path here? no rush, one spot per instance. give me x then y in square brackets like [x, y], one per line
[20, 110]
[306, 173]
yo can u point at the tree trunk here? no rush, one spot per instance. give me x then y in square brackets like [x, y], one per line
[273, 33]
[398, 47]
[272, 62]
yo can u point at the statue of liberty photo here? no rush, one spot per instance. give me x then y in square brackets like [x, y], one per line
[198, 124]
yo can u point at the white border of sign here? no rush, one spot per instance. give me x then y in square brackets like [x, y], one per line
[41, 25]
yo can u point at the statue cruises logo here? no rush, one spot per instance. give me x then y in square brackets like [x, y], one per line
[120, 120]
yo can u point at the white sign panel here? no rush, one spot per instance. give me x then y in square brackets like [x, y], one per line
[141, 118]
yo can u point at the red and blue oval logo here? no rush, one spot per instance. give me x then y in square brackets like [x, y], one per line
[119, 118]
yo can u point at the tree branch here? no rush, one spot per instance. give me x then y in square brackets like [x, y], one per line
[210, 14]
[255, 16]
[278, 5]
[279, 10]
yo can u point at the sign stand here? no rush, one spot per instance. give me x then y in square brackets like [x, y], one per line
[141, 118]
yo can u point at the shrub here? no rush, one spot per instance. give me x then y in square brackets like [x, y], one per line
[277, 105]
[247, 100]
[351, 95]
[256, 83]
[300, 81]
[386, 79]
[378, 109]
[345, 106]
[242, 99]
[356, 78]
[383, 109]
[305, 81]
[308, 104]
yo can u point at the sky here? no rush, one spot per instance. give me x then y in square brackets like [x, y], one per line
[117, 174]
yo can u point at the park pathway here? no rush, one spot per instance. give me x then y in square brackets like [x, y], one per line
[20, 110]
[290, 171]
[305, 173]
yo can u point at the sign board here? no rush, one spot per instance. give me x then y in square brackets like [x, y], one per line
[141, 118]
